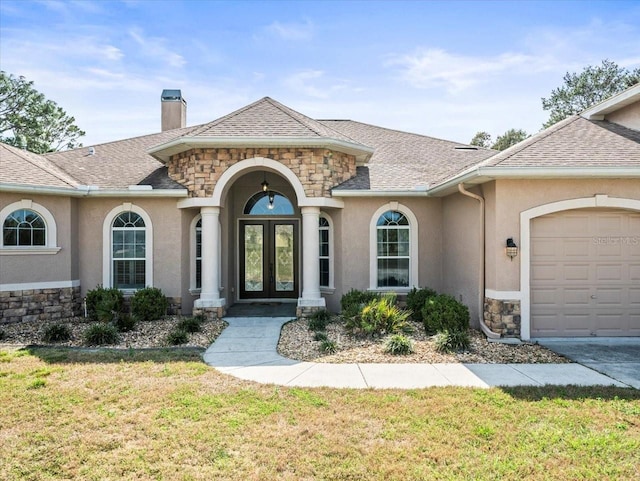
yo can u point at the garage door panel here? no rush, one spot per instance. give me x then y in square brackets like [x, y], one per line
[585, 273]
[545, 272]
[577, 272]
[574, 297]
[610, 272]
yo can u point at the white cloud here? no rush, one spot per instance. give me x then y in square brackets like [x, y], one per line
[154, 47]
[439, 68]
[292, 31]
[314, 84]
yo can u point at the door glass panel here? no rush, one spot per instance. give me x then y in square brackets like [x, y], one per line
[253, 258]
[284, 258]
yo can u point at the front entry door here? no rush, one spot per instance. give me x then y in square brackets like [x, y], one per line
[268, 259]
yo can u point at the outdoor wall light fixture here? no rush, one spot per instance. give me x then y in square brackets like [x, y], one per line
[265, 184]
[511, 248]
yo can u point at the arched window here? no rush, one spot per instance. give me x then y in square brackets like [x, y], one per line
[325, 251]
[129, 251]
[27, 228]
[394, 248]
[128, 248]
[268, 203]
[24, 227]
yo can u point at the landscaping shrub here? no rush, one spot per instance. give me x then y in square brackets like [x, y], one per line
[320, 336]
[398, 345]
[56, 333]
[319, 320]
[450, 341]
[443, 312]
[101, 333]
[416, 299]
[380, 316]
[190, 324]
[353, 301]
[124, 323]
[176, 337]
[149, 304]
[328, 346]
[104, 303]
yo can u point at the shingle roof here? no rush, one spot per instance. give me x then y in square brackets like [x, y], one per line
[266, 118]
[403, 160]
[19, 166]
[119, 164]
[574, 142]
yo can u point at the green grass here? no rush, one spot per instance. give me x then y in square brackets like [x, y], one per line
[162, 414]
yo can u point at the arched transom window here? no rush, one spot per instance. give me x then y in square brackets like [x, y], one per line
[393, 250]
[24, 227]
[268, 203]
[129, 251]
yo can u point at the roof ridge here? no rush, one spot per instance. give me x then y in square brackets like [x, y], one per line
[529, 141]
[404, 132]
[48, 166]
[228, 116]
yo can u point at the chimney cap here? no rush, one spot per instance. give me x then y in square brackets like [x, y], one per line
[171, 95]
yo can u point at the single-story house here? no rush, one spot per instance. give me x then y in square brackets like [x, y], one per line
[266, 204]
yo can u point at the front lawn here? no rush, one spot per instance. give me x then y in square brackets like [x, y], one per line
[163, 414]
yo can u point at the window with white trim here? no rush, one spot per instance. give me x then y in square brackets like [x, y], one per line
[324, 254]
[393, 250]
[27, 228]
[128, 233]
[24, 227]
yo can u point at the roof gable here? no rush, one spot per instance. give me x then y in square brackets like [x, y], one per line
[22, 167]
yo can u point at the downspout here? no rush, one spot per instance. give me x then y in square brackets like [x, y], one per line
[488, 332]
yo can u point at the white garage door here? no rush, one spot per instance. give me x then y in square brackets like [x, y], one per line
[585, 273]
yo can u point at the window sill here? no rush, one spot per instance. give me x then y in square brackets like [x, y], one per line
[28, 250]
[327, 290]
[195, 292]
[397, 290]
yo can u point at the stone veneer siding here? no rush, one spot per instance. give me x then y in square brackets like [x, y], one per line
[40, 304]
[210, 313]
[319, 170]
[502, 316]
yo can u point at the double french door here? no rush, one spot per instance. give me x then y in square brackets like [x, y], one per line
[268, 259]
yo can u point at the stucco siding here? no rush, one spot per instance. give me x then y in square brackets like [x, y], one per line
[516, 196]
[167, 241]
[354, 266]
[461, 251]
[33, 268]
[628, 116]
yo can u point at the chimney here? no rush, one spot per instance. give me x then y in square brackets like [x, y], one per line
[173, 110]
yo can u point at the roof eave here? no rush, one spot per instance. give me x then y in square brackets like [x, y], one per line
[624, 98]
[379, 193]
[93, 191]
[481, 175]
[163, 152]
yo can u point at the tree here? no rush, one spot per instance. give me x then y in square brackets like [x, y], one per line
[481, 139]
[581, 91]
[509, 138]
[504, 141]
[31, 121]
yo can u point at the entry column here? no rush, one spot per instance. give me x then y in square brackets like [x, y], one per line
[210, 292]
[311, 299]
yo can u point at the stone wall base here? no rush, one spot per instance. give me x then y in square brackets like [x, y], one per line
[210, 313]
[304, 312]
[40, 304]
[502, 316]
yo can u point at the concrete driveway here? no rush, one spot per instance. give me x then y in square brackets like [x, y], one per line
[618, 358]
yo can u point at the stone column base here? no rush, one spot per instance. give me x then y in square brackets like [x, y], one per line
[210, 313]
[502, 316]
[307, 307]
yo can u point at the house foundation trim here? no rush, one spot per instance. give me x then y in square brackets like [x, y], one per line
[598, 200]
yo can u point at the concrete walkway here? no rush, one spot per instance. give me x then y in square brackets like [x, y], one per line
[246, 349]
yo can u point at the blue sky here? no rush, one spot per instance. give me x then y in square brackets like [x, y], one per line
[445, 69]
